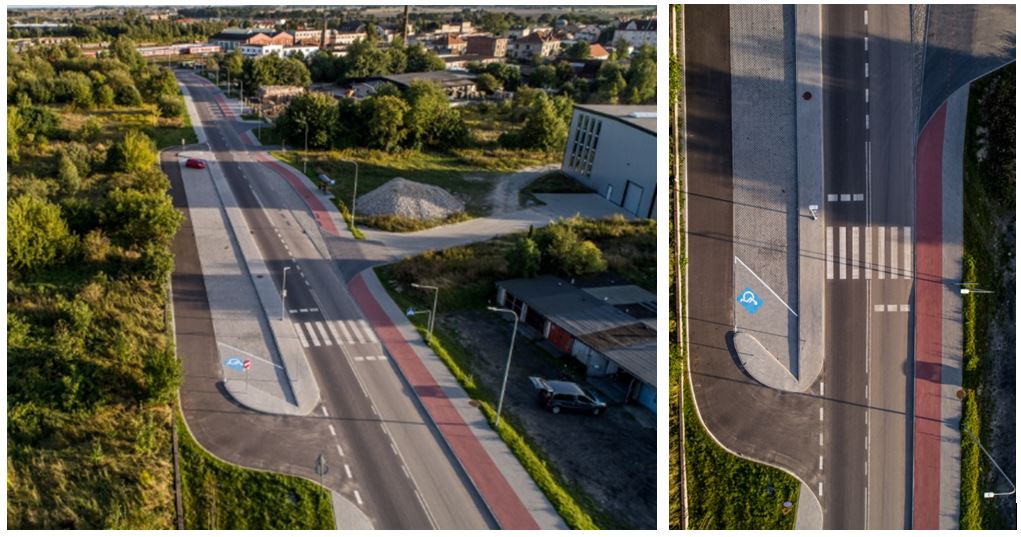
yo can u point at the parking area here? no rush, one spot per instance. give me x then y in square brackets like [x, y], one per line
[611, 457]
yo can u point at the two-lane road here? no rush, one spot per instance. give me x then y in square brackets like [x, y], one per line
[384, 455]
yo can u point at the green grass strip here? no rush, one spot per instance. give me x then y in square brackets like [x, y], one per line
[220, 495]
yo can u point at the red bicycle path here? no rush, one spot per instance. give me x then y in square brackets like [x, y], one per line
[504, 504]
[928, 322]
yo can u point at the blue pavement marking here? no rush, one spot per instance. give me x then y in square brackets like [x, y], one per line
[234, 362]
[751, 301]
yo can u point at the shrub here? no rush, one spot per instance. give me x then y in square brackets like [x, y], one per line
[37, 235]
[135, 152]
[67, 174]
[170, 106]
[96, 246]
[524, 259]
[162, 375]
[128, 96]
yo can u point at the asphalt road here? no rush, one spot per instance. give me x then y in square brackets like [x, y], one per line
[860, 406]
[385, 456]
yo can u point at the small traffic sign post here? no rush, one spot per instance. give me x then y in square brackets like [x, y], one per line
[321, 468]
[751, 301]
[247, 364]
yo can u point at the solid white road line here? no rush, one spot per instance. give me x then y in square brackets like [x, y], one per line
[908, 261]
[333, 431]
[868, 252]
[312, 334]
[829, 252]
[842, 251]
[358, 498]
[368, 330]
[854, 253]
[894, 254]
[301, 335]
[322, 332]
[881, 253]
[347, 470]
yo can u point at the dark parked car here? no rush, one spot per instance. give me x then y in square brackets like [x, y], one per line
[195, 163]
[558, 395]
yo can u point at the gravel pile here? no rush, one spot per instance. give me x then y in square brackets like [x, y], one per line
[401, 197]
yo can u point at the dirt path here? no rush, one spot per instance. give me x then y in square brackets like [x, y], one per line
[504, 196]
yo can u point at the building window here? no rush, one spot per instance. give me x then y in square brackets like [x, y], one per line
[586, 139]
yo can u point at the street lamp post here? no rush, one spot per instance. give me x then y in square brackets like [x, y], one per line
[304, 165]
[991, 494]
[436, 296]
[354, 194]
[283, 293]
[510, 353]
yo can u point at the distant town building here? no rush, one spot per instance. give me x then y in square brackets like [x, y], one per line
[598, 52]
[485, 45]
[542, 44]
[463, 27]
[460, 63]
[636, 32]
[588, 33]
[203, 50]
[612, 150]
[234, 38]
[449, 44]
[258, 51]
[456, 85]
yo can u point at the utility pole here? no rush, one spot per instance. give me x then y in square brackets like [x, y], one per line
[322, 37]
[404, 32]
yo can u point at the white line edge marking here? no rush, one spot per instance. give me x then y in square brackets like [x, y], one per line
[868, 252]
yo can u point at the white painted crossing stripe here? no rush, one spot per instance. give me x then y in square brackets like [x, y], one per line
[831, 197]
[858, 197]
[868, 253]
[301, 335]
[322, 332]
[829, 252]
[842, 252]
[368, 330]
[854, 253]
[881, 253]
[893, 253]
[905, 308]
[312, 334]
[908, 261]
[845, 197]
[334, 332]
[325, 413]
[353, 326]
[343, 330]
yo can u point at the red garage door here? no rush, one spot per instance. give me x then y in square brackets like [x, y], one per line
[560, 338]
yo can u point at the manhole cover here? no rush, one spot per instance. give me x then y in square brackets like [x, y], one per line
[807, 95]
[473, 403]
[960, 395]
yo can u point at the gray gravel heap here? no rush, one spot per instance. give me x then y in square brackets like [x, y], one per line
[401, 197]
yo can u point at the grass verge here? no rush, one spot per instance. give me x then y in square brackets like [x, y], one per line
[218, 495]
[576, 508]
[728, 492]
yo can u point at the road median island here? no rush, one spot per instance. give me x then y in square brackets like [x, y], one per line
[248, 326]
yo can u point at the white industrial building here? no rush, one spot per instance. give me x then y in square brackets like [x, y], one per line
[612, 150]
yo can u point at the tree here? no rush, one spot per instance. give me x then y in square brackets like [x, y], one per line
[75, 88]
[621, 50]
[544, 129]
[37, 235]
[641, 86]
[158, 83]
[124, 49]
[508, 75]
[489, 83]
[134, 153]
[323, 67]
[170, 106]
[104, 95]
[544, 76]
[138, 218]
[364, 58]
[610, 83]
[315, 110]
[37, 121]
[426, 103]
[273, 70]
[580, 50]
[67, 174]
[128, 96]
[564, 252]
[384, 117]
[421, 60]
[234, 63]
[524, 259]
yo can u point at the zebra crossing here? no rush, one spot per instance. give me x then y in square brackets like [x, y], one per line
[850, 251]
[326, 333]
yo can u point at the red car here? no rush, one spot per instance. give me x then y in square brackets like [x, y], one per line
[195, 163]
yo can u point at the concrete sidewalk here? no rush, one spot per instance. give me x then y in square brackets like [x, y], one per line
[515, 501]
